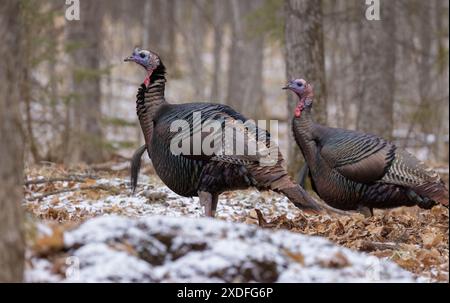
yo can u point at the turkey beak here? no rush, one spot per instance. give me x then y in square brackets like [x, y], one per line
[288, 86]
[129, 59]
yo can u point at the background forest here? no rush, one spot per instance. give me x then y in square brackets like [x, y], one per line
[67, 108]
[388, 78]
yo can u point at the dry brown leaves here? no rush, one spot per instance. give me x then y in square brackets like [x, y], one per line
[87, 189]
[415, 239]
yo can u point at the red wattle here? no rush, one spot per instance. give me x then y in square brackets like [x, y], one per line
[147, 81]
[299, 108]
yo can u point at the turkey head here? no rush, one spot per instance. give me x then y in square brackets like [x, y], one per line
[147, 59]
[304, 91]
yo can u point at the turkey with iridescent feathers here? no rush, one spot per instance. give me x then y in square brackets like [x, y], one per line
[351, 170]
[201, 174]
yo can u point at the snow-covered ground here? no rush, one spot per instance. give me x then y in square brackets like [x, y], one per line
[154, 198]
[169, 249]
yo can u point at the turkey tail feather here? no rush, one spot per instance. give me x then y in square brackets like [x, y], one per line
[434, 191]
[301, 199]
[305, 202]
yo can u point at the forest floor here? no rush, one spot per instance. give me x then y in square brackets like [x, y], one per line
[61, 198]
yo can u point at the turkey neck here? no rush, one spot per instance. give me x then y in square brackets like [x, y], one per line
[149, 106]
[154, 96]
[304, 133]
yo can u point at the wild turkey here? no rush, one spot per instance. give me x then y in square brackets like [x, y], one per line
[352, 170]
[202, 175]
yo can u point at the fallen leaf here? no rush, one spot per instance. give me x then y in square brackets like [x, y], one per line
[431, 239]
[297, 257]
[50, 243]
[90, 182]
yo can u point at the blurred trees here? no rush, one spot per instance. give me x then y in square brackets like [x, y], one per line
[12, 250]
[429, 57]
[78, 97]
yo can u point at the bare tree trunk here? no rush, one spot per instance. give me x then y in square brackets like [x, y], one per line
[52, 153]
[377, 72]
[146, 25]
[26, 87]
[428, 117]
[159, 20]
[218, 24]
[171, 33]
[86, 36]
[194, 35]
[245, 74]
[305, 59]
[12, 245]
[156, 25]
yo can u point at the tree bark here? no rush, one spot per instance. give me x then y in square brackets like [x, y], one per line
[245, 74]
[171, 32]
[12, 245]
[195, 37]
[218, 25]
[305, 59]
[377, 72]
[86, 37]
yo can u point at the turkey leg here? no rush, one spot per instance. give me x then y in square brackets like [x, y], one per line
[136, 166]
[209, 202]
[302, 174]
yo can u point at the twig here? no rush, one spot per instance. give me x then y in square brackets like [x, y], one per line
[108, 166]
[66, 190]
[372, 246]
[74, 178]
[278, 222]
[261, 221]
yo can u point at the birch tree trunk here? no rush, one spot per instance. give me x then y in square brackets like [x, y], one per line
[11, 150]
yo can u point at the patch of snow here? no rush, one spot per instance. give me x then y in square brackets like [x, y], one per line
[40, 270]
[170, 249]
[116, 266]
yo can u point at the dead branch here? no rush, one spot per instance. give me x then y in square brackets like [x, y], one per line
[369, 246]
[66, 190]
[109, 166]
